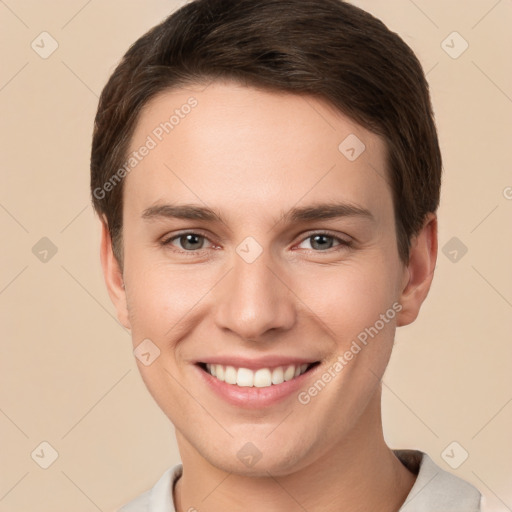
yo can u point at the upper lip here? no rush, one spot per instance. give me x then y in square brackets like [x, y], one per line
[254, 363]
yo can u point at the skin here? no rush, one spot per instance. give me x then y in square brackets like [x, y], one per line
[251, 156]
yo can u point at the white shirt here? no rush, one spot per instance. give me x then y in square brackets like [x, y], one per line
[434, 490]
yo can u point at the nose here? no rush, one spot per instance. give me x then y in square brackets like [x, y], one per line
[254, 299]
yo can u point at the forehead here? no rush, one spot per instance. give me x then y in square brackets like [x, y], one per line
[231, 144]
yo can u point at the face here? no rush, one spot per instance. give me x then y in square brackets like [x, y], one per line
[261, 248]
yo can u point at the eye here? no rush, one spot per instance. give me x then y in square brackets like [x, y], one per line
[189, 242]
[324, 241]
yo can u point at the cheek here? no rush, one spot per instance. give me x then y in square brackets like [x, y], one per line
[348, 298]
[163, 298]
[167, 301]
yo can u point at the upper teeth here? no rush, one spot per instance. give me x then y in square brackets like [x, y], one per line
[261, 378]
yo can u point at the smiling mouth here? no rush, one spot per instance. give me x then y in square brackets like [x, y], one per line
[260, 378]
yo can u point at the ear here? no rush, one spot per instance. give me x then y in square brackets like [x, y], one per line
[113, 275]
[419, 271]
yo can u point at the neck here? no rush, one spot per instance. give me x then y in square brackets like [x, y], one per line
[359, 473]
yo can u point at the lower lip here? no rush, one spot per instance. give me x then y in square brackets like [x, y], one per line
[253, 397]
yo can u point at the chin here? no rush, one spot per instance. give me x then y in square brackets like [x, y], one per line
[270, 465]
[260, 456]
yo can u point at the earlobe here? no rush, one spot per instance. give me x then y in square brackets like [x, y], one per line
[113, 276]
[420, 271]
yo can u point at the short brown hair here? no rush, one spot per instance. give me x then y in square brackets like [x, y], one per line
[329, 49]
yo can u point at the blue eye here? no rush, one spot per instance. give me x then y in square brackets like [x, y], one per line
[194, 242]
[324, 241]
[188, 241]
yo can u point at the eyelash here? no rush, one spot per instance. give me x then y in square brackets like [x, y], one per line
[343, 244]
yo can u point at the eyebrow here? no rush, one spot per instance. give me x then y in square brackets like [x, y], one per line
[315, 212]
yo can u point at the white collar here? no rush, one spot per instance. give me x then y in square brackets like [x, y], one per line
[434, 489]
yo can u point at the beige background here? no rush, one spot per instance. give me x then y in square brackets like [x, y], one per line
[68, 376]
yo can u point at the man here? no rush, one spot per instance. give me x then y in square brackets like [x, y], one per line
[267, 175]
